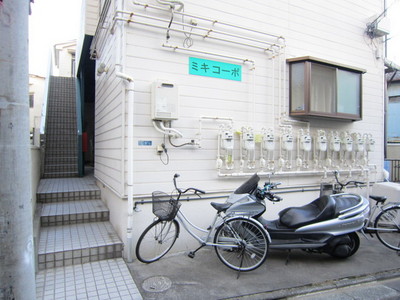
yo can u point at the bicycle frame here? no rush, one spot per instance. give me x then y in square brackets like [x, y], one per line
[184, 221]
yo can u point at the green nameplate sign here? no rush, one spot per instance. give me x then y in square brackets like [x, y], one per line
[216, 69]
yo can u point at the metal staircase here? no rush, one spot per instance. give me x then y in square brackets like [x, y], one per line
[61, 148]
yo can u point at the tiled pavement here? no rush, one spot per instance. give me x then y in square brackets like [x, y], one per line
[105, 279]
[79, 255]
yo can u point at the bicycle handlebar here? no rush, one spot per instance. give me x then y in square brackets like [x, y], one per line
[342, 185]
[188, 189]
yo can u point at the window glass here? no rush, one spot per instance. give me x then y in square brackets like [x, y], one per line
[31, 100]
[297, 87]
[322, 89]
[349, 91]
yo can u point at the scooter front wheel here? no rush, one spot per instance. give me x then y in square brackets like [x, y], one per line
[242, 244]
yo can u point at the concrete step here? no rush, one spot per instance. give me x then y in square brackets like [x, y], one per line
[77, 244]
[73, 212]
[107, 279]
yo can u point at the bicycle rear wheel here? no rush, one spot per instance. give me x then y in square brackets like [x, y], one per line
[157, 240]
[242, 244]
[387, 226]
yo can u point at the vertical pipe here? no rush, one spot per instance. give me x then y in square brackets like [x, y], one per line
[17, 271]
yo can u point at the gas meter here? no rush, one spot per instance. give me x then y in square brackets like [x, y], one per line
[348, 144]
[322, 143]
[249, 143]
[305, 142]
[227, 140]
[269, 142]
[287, 142]
[335, 143]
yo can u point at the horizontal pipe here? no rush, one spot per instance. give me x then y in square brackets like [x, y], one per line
[208, 30]
[244, 60]
[210, 20]
[192, 33]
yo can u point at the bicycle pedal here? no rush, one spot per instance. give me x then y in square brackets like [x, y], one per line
[191, 254]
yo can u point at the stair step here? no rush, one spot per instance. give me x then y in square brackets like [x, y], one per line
[107, 279]
[77, 244]
[60, 175]
[73, 212]
[67, 189]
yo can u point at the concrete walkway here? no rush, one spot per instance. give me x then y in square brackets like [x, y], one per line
[205, 277]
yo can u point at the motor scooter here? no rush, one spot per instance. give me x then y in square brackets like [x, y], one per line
[329, 224]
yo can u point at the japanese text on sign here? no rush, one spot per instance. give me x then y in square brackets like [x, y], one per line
[216, 69]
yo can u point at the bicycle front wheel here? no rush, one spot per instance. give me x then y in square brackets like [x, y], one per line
[387, 226]
[242, 244]
[157, 240]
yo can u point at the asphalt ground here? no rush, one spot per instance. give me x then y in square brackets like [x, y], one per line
[372, 273]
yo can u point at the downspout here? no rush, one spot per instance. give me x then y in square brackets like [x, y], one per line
[130, 112]
[120, 52]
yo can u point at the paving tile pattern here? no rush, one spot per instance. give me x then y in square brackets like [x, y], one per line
[79, 255]
[106, 279]
[77, 243]
[73, 212]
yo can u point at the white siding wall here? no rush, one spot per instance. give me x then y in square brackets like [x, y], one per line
[109, 117]
[331, 30]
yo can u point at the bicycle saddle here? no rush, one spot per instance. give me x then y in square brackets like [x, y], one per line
[380, 199]
[320, 209]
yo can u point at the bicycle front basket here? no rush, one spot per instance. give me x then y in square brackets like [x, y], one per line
[164, 206]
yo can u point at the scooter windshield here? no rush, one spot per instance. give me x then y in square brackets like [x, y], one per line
[249, 186]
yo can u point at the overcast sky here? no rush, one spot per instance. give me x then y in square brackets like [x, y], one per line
[51, 22]
[56, 21]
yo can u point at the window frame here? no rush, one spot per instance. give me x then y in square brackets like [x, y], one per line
[307, 62]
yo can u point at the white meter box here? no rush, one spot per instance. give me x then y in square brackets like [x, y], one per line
[164, 101]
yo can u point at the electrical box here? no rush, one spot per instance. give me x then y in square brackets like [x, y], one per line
[164, 101]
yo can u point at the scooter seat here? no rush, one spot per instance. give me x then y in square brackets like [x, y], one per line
[319, 210]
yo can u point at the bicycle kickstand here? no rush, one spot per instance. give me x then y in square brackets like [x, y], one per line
[191, 254]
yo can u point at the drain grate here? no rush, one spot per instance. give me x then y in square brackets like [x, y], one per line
[157, 284]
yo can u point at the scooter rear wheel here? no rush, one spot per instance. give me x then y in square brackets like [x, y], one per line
[346, 246]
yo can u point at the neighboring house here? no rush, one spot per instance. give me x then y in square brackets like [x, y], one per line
[64, 59]
[393, 125]
[222, 89]
[36, 96]
[393, 109]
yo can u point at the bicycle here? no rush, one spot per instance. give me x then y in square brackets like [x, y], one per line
[386, 224]
[240, 242]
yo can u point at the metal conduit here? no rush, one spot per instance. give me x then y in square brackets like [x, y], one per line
[208, 30]
[188, 199]
[278, 37]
